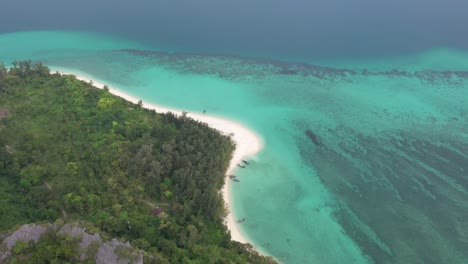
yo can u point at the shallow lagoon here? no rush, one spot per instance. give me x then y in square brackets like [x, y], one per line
[363, 162]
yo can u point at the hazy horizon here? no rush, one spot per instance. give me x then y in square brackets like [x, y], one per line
[278, 29]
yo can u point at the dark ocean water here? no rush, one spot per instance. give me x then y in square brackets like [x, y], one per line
[296, 29]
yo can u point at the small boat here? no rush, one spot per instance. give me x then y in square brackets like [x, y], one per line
[245, 162]
[240, 220]
[236, 180]
[242, 166]
[232, 176]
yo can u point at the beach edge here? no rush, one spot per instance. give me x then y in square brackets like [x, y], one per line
[248, 143]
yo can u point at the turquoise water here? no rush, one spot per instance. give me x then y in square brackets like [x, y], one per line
[364, 162]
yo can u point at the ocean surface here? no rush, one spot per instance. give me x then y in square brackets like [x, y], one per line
[297, 30]
[365, 160]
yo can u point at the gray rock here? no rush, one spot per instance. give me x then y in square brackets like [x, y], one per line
[25, 233]
[86, 239]
[90, 245]
[116, 252]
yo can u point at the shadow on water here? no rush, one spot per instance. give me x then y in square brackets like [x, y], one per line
[403, 197]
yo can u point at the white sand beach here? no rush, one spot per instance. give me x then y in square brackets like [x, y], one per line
[248, 143]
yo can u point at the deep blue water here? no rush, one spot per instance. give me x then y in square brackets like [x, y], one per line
[295, 29]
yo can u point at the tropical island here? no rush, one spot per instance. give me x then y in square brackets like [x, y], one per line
[86, 177]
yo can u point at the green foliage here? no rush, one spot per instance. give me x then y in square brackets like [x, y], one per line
[70, 150]
[105, 103]
[126, 253]
[20, 246]
[51, 248]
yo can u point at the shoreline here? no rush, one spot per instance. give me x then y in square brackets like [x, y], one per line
[247, 142]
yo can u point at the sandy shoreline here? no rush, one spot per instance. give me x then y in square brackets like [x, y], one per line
[248, 143]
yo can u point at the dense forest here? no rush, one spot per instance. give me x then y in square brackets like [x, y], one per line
[72, 152]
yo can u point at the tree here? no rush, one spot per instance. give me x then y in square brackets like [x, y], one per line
[99, 162]
[3, 70]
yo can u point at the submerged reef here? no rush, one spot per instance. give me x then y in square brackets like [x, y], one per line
[233, 67]
[390, 146]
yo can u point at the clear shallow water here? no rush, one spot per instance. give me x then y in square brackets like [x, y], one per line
[361, 163]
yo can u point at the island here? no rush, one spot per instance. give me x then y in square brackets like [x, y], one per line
[89, 177]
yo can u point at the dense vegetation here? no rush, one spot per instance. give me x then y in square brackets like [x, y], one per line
[72, 152]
